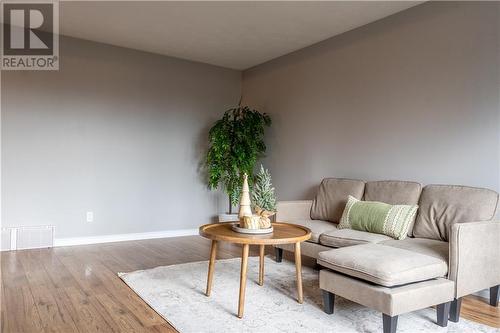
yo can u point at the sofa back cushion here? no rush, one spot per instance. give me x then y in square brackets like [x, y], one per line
[332, 197]
[394, 192]
[441, 206]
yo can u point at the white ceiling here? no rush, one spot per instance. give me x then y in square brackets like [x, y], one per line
[233, 34]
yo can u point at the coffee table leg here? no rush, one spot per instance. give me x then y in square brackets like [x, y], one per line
[261, 265]
[211, 265]
[298, 268]
[243, 279]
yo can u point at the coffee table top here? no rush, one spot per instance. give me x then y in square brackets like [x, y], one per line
[283, 233]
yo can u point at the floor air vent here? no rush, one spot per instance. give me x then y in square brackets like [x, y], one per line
[34, 237]
[6, 243]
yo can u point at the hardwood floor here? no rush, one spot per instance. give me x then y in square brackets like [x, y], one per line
[76, 289]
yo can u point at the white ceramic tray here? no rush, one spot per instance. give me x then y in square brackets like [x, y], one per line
[251, 231]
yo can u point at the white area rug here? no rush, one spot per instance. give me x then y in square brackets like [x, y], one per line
[177, 294]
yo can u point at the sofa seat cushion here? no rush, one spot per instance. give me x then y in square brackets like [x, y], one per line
[332, 197]
[350, 237]
[430, 247]
[317, 227]
[383, 265]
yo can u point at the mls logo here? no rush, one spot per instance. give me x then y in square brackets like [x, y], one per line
[30, 36]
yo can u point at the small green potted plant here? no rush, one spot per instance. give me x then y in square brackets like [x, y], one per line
[236, 142]
[263, 195]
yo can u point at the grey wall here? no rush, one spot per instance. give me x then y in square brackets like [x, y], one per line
[114, 131]
[120, 132]
[414, 96]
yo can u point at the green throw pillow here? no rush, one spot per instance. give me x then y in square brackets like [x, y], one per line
[378, 217]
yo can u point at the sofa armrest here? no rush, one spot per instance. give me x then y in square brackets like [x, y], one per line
[474, 256]
[293, 210]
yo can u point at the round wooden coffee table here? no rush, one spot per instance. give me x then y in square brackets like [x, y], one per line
[284, 233]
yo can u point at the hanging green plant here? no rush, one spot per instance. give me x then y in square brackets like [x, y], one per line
[236, 143]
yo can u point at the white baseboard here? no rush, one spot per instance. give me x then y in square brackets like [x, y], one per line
[123, 237]
[483, 293]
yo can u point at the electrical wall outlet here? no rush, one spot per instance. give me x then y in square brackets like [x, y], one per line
[90, 216]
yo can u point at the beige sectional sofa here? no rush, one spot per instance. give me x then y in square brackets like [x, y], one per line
[452, 249]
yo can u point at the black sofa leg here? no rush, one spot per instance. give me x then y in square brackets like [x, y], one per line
[494, 295]
[455, 309]
[279, 254]
[317, 267]
[443, 311]
[390, 323]
[328, 301]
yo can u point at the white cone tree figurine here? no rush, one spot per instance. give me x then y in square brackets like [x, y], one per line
[245, 202]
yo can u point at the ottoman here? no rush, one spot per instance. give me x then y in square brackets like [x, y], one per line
[390, 280]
